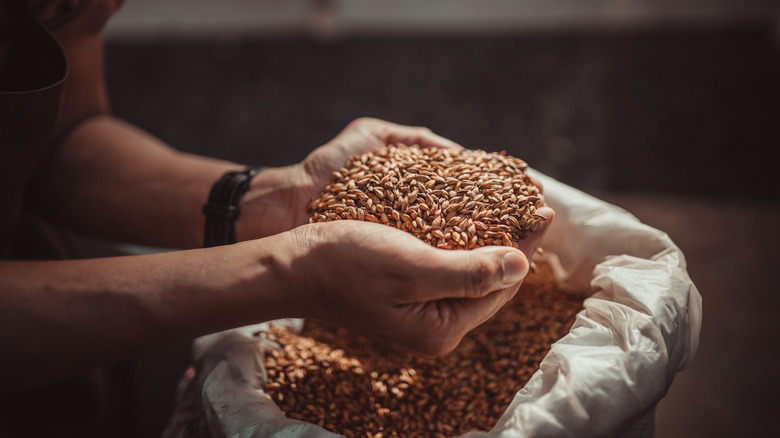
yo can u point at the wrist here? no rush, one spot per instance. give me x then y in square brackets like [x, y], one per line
[275, 202]
[275, 277]
[222, 209]
[230, 286]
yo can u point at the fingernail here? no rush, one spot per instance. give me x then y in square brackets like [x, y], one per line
[515, 268]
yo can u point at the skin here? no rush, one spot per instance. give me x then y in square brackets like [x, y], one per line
[110, 179]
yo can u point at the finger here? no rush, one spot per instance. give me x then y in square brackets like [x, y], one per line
[535, 181]
[449, 320]
[395, 133]
[475, 273]
[471, 313]
[533, 240]
[469, 274]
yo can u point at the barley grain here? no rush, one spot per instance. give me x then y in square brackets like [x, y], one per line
[418, 190]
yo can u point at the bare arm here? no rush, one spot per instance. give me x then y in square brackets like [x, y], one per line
[60, 318]
[113, 180]
[63, 317]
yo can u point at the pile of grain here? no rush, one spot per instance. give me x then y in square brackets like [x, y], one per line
[450, 199]
[353, 386]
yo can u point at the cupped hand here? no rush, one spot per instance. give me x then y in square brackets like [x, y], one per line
[278, 197]
[389, 285]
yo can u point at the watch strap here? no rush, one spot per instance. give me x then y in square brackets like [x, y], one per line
[222, 210]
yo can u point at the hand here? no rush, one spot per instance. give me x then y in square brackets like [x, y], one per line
[363, 136]
[278, 197]
[389, 285]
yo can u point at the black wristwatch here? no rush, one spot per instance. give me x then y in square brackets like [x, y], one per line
[222, 208]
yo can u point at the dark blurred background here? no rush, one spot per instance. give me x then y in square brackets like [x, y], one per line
[668, 109]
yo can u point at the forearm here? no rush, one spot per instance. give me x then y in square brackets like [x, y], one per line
[60, 318]
[113, 180]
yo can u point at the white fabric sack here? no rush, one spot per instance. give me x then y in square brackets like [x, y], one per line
[639, 328]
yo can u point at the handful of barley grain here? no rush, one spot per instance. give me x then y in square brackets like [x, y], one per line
[450, 199]
[453, 200]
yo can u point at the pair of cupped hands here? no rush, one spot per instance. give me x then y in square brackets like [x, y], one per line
[373, 279]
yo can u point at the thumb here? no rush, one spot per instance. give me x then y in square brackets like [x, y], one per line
[512, 267]
[476, 273]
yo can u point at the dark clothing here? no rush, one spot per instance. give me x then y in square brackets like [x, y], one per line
[32, 80]
[30, 90]
[31, 86]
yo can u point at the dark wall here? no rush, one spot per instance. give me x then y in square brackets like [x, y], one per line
[673, 111]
